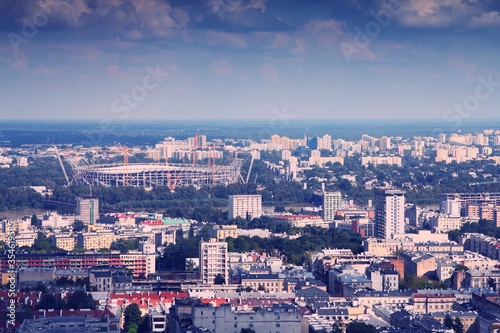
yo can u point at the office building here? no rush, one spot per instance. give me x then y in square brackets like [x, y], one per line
[331, 204]
[245, 206]
[389, 212]
[87, 209]
[213, 261]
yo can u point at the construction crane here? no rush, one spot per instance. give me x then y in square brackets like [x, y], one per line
[125, 162]
[249, 169]
[62, 166]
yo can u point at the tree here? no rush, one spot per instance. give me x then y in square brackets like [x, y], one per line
[133, 328]
[42, 243]
[50, 301]
[191, 231]
[132, 315]
[179, 234]
[219, 279]
[78, 226]
[145, 326]
[279, 209]
[81, 300]
[492, 284]
[35, 222]
[448, 321]
[458, 326]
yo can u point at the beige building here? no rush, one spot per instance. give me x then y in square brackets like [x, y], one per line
[263, 282]
[26, 239]
[444, 223]
[65, 242]
[430, 303]
[96, 240]
[224, 231]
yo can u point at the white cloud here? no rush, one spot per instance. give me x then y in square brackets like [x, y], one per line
[445, 13]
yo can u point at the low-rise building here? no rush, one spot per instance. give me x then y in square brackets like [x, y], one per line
[280, 318]
[264, 282]
[430, 303]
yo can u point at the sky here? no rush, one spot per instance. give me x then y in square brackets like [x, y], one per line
[113, 60]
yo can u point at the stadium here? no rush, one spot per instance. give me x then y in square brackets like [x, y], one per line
[149, 175]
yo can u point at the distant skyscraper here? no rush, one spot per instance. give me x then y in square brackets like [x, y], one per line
[385, 143]
[331, 204]
[245, 206]
[451, 207]
[314, 143]
[213, 261]
[389, 212]
[87, 209]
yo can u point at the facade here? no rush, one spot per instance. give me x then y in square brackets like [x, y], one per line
[213, 261]
[444, 223]
[138, 263]
[71, 324]
[419, 264]
[263, 282]
[96, 240]
[87, 209]
[280, 318]
[245, 206]
[389, 212]
[429, 303]
[224, 231]
[384, 280]
[65, 242]
[331, 203]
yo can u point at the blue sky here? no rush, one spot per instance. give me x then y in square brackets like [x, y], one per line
[339, 59]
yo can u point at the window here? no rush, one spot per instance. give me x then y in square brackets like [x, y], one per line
[277, 325]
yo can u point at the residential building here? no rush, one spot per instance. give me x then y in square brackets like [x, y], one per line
[271, 283]
[95, 240]
[245, 206]
[87, 209]
[280, 318]
[213, 261]
[138, 263]
[430, 303]
[224, 231]
[70, 324]
[331, 203]
[66, 242]
[389, 212]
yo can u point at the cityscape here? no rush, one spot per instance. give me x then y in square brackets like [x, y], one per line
[310, 234]
[249, 166]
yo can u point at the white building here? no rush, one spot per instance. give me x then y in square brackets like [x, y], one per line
[213, 261]
[445, 223]
[389, 212]
[245, 206]
[87, 209]
[331, 203]
[281, 318]
[450, 207]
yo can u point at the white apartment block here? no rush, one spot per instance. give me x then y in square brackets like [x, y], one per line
[445, 223]
[213, 261]
[87, 209]
[245, 206]
[389, 212]
[331, 203]
[281, 318]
